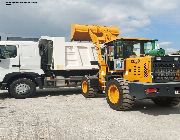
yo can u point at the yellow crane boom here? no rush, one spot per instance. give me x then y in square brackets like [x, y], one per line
[83, 32]
[95, 33]
[98, 35]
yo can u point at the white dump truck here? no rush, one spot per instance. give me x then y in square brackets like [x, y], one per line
[48, 63]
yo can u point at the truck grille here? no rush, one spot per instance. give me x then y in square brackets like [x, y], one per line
[166, 69]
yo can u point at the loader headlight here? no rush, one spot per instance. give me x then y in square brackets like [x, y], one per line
[176, 58]
[158, 58]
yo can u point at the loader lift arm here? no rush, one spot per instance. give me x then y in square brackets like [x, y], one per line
[98, 35]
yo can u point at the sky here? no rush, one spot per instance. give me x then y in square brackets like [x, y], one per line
[154, 19]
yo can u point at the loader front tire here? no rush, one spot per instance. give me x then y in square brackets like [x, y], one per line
[117, 95]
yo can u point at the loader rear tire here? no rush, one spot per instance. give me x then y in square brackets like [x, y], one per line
[117, 95]
[166, 101]
[86, 90]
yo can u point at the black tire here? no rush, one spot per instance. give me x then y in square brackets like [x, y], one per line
[124, 101]
[22, 88]
[90, 92]
[166, 101]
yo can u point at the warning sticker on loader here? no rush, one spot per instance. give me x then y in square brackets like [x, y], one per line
[177, 91]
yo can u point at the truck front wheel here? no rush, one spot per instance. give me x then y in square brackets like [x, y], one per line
[166, 101]
[22, 88]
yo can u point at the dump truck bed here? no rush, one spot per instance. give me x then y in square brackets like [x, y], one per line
[72, 55]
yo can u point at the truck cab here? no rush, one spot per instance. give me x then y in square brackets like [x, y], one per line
[49, 62]
[19, 60]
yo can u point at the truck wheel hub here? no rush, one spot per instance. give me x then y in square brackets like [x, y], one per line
[22, 88]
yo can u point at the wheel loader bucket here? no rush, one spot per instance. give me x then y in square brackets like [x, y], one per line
[81, 32]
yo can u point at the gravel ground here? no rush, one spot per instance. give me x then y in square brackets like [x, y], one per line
[67, 115]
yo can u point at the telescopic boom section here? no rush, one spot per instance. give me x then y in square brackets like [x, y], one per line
[97, 34]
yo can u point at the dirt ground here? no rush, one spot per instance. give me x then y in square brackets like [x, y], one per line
[66, 115]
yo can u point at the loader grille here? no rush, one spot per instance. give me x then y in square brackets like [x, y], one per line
[145, 70]
[166, 69]
[137, 70]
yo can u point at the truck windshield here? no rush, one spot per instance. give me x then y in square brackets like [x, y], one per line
[8, 51]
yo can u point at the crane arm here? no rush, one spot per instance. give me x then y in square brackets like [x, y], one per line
[96, 34]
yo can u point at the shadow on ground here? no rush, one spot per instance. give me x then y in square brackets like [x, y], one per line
[48, 92]
[148, 107]
[143, 106]
[4, 95]
[57, 92]
[52, 92]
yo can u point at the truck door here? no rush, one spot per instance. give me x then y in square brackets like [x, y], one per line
[9, 60]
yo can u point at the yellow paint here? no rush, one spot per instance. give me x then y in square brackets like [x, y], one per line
[113, 94]
[84, 87]
[98, 35]
[138, 69]
[82, 32]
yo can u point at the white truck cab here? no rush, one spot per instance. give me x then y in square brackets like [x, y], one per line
[19, 56]
[19, 66]
[50, 62]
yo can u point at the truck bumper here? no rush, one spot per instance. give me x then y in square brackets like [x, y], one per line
[3, 86]
[139, 90]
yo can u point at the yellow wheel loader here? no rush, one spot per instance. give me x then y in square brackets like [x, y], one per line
[129, 69]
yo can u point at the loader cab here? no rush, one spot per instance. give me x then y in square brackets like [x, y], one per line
[115, 52]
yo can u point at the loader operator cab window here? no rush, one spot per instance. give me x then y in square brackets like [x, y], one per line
[114, 53]
[8, 51]
[110, 56]
[121, 49]
[118, 50]
[150, 45]
[125, 48]
[131, 49]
